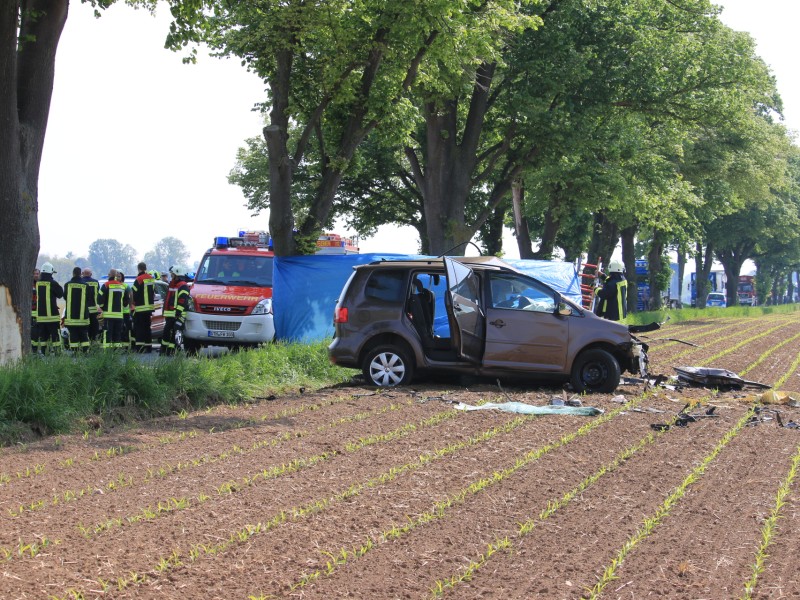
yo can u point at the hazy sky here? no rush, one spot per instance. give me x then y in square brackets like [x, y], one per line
[139, 145]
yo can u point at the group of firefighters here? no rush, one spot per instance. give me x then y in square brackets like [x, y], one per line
[126, 312]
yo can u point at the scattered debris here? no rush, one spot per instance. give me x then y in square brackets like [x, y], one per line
[761, 414]
[529, 409]
[773, 397]
[715, 378]
[683, 418]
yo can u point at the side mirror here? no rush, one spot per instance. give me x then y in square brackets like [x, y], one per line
[563, 309]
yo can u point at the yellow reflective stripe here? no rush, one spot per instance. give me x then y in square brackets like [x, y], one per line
[70, 319]
[43, 302]
[622, 292]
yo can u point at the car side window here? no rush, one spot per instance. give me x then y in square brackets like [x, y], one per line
[388, 285]
[516, 292]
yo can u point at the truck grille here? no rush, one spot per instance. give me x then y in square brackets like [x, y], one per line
[222, 325]
[223, 310]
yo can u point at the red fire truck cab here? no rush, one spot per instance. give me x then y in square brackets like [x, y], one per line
[231, 297]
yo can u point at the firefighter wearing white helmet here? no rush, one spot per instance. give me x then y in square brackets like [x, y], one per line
[175, 308]
[612, 297]
[48, 317]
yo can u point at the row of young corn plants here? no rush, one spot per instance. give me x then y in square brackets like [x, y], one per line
[123, 480]
[696, 332]
[115, 451]
[168, 506]
[651, 523]
[554, 505]
[441, 508]
[740, 344]
[770, 528]
[769, 352]
[298, 512]
[759, 326]
[441, 586]
[717, 327]
[171, 505]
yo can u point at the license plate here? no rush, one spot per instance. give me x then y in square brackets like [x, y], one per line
[220, 334]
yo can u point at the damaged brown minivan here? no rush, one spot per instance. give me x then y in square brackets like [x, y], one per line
[474, 315]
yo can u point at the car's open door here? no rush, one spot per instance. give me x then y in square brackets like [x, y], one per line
[467, 320]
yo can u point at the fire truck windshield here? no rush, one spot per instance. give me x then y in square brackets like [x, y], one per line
[236, 270]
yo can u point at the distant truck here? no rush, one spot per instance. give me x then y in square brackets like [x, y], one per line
[716, 279]
[746, 290]
[230, 302]
[671, 297]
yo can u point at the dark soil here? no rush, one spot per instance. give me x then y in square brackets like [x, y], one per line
[364, 493]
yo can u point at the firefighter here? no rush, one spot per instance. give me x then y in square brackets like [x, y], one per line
[127, 317]
[113, 301]
[612, 297]
[76, 313]
[144, 304]
[34, 327]
[48, 317]
[92, 292]
[175, 308]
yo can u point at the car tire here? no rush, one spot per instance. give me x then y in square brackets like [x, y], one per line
[595, 370]
[387, 366]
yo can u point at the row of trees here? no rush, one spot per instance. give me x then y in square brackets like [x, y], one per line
[105, 254]
[578, 122]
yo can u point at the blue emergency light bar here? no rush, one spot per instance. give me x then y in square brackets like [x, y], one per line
[221, 242]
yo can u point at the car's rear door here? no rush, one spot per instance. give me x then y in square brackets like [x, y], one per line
[463, 305]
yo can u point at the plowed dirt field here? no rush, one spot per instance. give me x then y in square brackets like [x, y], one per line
[363, 493]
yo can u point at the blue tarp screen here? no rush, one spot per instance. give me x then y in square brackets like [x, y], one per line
[306, 288]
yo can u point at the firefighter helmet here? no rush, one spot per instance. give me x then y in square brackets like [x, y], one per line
[154, 274]
[47, 268]
[179, 271]
[616, 266]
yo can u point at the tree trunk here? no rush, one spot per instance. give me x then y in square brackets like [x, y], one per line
[446, 180]
[681, 272]
[605, 236]
[524, 243]
[655, 266]
[552, 224]
[492, 231]
[628, 238]
[27, 74]
[703, 262]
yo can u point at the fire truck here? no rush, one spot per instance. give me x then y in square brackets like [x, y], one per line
[230, 303]
[746, 290]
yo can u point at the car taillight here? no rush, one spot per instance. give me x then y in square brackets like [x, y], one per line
[340, 314]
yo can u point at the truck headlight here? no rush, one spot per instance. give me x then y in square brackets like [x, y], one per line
[264, 307]
[190, 304]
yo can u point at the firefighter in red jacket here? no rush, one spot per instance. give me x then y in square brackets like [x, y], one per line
[143, 305]
[48, 317]
[113, 300]
[175, 308]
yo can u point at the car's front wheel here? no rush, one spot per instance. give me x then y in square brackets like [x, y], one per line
[387, 366]
[595, 370]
